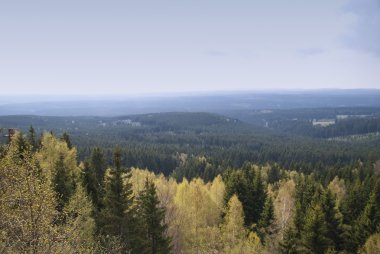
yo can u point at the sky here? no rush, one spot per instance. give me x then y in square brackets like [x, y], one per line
[162, 46]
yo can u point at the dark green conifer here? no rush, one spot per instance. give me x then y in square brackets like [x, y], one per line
[334, 220]
[118, 218]
[63, 183]
[152, 216]
[289, 243]
[314, 235]
[66, 138]
[97, 164]
[91, 185]
[32, 138]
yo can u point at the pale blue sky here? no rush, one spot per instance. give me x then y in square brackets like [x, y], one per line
[124, 47]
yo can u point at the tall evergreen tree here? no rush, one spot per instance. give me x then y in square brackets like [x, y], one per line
[66, 138]
[369, 221]
[32, 138]
[91, 184]
[314, 235]
[249, 187]
[266, 218]
[334, 220]
[97, 164]
[305, 191]
[62, 182]
[154, 228]
[288, 245]
[118, 217]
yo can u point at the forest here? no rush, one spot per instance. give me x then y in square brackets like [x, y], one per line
[51, 202]
[204, 144]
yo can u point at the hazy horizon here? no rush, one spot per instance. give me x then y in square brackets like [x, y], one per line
[149, 47]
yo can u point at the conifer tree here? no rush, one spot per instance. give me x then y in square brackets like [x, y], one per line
[288, 245]
[91, 184]
[63, 183]
[334, 220]
[314, 235]
[152, 216]
[250, 189]
[32, 138]
[66, 138]
[97, 164]
[369, 221]
[266, 218]
[117, 218]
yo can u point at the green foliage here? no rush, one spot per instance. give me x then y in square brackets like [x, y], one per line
[334, 221]
[98, 213]
[32, 138]
[63, 183]
[154, 229]
[66, 138]
[91, 185]
[118, 217]
[267, 217]
[315, 232]
[249, 187]
[288, 245]
[97, 164]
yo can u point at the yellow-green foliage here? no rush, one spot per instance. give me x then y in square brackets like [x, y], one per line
[51, 150]
[27, 207]
[29, 218]
[194, 215]
[372, 246]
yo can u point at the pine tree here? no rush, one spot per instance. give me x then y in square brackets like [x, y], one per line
[250, 189]
[314, 234]
[274, 174]
[66, 138]
[369, 221]
[154, 229]
[117, 219]
[266, 218]
[334, 220]
[288, 245]
[32, 138]
[97, 164]
[259, 198]
[62, 182]
[91, 185]
[305, 191]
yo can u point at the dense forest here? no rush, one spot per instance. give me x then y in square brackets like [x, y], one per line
[205, 145]
[51, 202]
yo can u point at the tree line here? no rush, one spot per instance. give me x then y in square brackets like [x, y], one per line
[52, 203]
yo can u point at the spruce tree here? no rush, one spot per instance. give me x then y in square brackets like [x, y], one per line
[369, 221]
[314, 235]
[266, 219]
[334, 220]
[152, 216]
[62, 182]
[91, 184]
[66, 138]
[32, 138]
[249, 187]
[288, 245]
[117, 218]
[97, 164]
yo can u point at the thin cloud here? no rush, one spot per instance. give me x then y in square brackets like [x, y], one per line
[365, 31]
[310, 51]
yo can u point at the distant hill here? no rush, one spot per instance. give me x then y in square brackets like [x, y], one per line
[217, 102]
